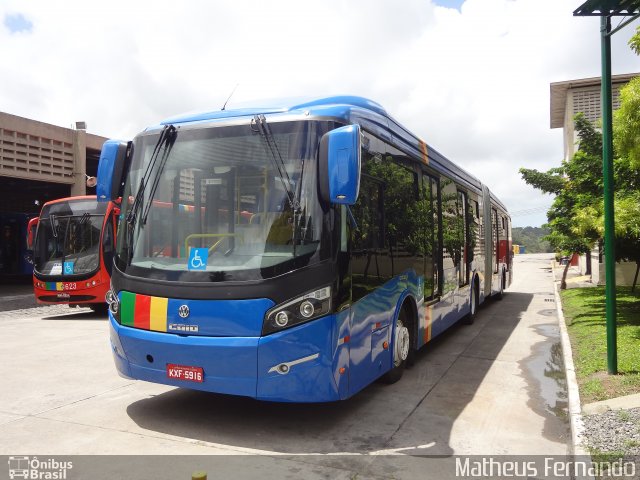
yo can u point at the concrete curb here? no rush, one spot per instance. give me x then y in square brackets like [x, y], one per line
[575, 412]
[617, 403]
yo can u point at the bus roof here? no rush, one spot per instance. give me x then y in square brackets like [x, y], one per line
[73, 206]
[70, 199]
[351, 109]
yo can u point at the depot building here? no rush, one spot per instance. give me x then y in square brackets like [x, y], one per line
[38, 162]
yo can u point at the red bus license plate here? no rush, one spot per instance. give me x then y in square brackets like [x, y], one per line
[183, 372]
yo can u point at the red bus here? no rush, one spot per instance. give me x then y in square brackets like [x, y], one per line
[73, 251]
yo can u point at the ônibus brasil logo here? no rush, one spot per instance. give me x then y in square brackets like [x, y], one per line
[33, 468]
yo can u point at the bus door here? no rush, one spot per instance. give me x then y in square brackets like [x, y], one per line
[463, 239]
[386, 257]
[496, 240]
[505, 246]
[31, 238]
[369, 272]
[509, 244]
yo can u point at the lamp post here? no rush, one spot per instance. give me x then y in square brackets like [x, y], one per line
[607, 174]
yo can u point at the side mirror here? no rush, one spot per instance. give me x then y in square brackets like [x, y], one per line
[112, 169]
[31, 232]
[340, 165]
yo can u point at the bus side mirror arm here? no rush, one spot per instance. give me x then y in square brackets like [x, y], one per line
[339, 168]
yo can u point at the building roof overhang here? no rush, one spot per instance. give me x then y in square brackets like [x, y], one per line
[559, 93]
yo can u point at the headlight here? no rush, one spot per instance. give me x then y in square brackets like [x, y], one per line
[299, 310]
[281, 319]
[114, 303]
[307, 309]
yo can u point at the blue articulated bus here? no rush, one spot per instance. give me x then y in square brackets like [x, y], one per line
[295, 252]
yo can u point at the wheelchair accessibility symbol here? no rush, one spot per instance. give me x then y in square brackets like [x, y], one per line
[198, 259]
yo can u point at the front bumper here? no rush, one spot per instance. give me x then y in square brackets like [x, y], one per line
[316, 364]
[60, 293]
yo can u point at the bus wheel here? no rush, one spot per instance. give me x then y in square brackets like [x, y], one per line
[401, 347]
[473, 311]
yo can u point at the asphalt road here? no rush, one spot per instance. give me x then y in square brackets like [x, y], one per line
[493, 388]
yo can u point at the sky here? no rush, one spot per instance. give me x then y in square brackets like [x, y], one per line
[471, 78]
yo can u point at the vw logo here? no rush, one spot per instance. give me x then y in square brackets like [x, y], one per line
[183, 311]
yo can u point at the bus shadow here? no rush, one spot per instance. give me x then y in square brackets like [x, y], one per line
[7, 305]
[412, 417]
[16, 295]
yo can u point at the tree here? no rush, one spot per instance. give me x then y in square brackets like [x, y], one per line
[576, 218]
[576, 184]
[627, 123]
[626, 139]
[634, 43]
[532, 239]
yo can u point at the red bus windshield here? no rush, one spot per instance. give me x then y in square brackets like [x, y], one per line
[68, 237]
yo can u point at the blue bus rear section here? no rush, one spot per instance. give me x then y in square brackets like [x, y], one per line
[14, 254]
[217, 322]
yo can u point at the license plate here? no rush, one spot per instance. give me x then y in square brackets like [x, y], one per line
[184, 372]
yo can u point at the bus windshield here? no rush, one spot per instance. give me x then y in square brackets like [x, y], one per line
[223, 203]
[68, 238]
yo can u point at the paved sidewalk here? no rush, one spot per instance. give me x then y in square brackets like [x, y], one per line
[618, 403]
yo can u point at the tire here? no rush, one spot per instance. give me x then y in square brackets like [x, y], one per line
[471, 316]
[401, 348]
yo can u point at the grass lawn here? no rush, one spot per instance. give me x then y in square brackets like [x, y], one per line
[585, 316]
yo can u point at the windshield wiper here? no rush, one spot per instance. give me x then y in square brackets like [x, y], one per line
[265, 131]
[263, 128]
[166, 140]
[170, 138]
[54, 225]
[84, 218]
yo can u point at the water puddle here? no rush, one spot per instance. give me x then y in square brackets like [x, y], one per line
[544, 372]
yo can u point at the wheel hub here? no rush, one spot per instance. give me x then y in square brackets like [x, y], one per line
[401, 345]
